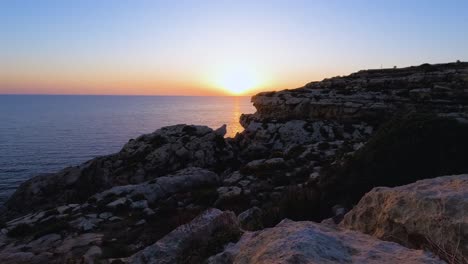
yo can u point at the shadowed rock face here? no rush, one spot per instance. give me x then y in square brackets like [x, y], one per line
[429, 214]
[205, 229]
[149, 156]
[309, 242]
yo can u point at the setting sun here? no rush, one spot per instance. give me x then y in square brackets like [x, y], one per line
[238, 81]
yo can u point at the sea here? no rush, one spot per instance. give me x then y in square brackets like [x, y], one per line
[46, 133]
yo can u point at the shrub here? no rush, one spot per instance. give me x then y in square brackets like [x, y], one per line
[157, 141]
[138, 197]
[20, 230]
[49, 228]
[205, 196]
[198, 250]
[323, 146]
[406, 149]
[297, 203]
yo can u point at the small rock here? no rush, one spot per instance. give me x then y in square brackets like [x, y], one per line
[142, 204]
[92, 254]
[148, 211]
[105, 215]
[141, 222]
[251, 219]
[118, 202]
[233, 178]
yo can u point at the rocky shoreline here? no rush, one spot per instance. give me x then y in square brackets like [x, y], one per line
[347, 170]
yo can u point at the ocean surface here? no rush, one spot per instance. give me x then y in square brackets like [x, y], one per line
[45, 133]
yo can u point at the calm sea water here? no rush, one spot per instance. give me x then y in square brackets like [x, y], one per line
[41, 133]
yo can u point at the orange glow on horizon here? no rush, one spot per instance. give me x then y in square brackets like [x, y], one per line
[235, 79]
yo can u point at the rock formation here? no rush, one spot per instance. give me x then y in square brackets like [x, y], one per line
[307, 154]
[149, 156]
[308, 242]
[212, 226]
[431, 214]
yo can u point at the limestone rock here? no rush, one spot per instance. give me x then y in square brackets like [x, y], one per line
[171, 248]
[251, 219]
[309, 242]
[162, 187]
[429, 213]
[149, 156]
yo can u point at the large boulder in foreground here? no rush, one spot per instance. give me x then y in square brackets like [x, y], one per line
[309, 242]
[192, 242]
[430, 213]
[149, 156]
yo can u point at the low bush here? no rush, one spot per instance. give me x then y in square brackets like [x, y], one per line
[406, 149]
[20, 230]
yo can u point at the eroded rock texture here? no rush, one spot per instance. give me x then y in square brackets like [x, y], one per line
[308, 242]
[306, 154]
[430, 213]
[186, 243]
[149, 156]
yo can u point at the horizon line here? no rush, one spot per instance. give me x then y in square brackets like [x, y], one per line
[147, 95]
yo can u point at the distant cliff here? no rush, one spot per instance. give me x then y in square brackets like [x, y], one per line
[308, 154]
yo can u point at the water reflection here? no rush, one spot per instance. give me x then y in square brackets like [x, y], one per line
[236, 113]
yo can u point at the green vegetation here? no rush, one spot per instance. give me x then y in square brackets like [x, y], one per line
[38, 230]
[56, 226]
[158, 141]
[199, 250]
[404, 150]
[138, 197]
[204, 196]
[20, 230]
[296, 203]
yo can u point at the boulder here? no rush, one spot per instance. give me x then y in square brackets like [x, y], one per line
[182, 181]
[251, 219]
[428, 214]
[210, 227]
[309, 242]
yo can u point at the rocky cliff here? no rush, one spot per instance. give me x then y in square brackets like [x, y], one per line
[307, 154]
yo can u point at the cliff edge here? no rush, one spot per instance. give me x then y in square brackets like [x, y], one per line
[186, 194]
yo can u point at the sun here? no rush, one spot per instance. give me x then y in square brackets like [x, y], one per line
[237, 81]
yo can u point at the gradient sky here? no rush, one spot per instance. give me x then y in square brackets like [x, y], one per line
[199, 47]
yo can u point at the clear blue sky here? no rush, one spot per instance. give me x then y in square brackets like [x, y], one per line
[203, 47]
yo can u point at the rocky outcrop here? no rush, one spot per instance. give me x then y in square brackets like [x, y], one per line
[322, 133]
[53, 249]
[107, 216]
[370, 95]
[308, 242]
[187, 242]
[150, 192]
[306, 154]
[428, 214]
[149, 156]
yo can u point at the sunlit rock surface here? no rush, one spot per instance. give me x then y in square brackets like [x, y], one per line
[308, 242]
[430, 213]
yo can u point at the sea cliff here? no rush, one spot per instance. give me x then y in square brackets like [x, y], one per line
[347, 170]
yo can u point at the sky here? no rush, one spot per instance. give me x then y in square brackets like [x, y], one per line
[216, 47]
